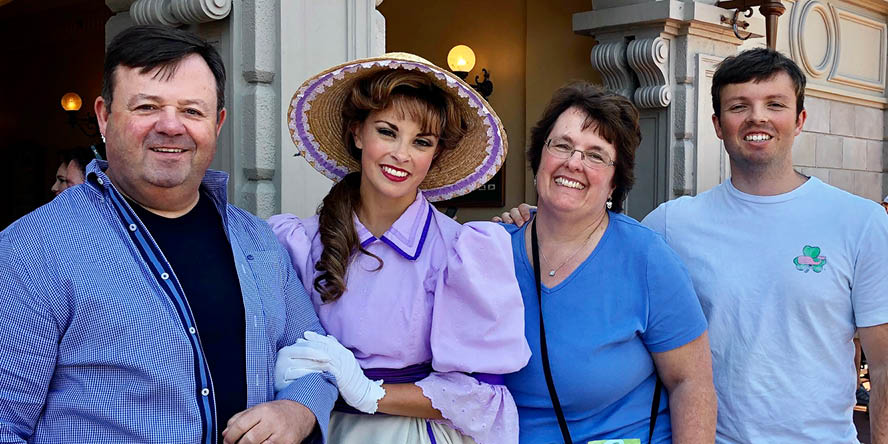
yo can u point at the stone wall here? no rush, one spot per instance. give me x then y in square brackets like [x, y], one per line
[844, 145]
[841, 46]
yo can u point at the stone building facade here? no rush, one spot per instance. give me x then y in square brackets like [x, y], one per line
[660, 53]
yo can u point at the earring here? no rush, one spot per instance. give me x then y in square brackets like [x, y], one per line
[609, 204]
[534, 181]
[103, 137]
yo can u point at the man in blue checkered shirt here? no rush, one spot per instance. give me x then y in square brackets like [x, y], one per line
[140, 306]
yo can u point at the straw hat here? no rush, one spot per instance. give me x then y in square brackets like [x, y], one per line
[315, 121]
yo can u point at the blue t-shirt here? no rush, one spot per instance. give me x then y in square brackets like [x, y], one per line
[630, 297]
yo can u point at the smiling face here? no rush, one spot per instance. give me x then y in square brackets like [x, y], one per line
[162, 127]
[758, 124]
[568, 185]
[395, 157]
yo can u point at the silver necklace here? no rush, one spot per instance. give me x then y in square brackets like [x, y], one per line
[552, 271]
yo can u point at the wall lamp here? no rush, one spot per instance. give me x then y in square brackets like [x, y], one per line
[89, 126]
[771, 9]
[461, 60]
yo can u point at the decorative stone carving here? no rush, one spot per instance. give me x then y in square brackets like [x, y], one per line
[648, 58]
[177, 12]
[610, 60]
[155, 12]
[815, 35]
[200, 11]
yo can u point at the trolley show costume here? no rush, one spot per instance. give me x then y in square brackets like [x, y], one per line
[445, 310]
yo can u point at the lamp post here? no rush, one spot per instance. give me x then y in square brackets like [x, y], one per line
[772, 10]
[461, 60]
[71, 103]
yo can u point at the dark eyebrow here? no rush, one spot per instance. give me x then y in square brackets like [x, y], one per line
[198, 102]
[139, 97]
[392, 125]
[564, 137]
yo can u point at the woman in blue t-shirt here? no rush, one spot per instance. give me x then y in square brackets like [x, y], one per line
[618, 308]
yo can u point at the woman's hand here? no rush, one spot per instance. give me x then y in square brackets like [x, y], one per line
[317, 353]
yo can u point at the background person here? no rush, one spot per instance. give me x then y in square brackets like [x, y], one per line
[80, 157]
[61, 176]
[617, 306]
[423, 305]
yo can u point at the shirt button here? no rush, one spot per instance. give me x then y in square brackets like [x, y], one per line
[100, 181]
[192, 330]
[132, 227]
[249, 257]
[205, 392]
[164, 276]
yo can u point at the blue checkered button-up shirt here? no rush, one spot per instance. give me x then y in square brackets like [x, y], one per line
[97, 341]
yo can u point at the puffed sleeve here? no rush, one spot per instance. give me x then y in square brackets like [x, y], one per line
[296, 235]
[477, 327]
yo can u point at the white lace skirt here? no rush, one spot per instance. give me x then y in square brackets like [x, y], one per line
[348, 428]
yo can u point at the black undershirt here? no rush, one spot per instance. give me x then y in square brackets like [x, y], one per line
[199, 252]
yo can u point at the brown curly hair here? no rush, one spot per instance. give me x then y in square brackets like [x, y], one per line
[413, 95]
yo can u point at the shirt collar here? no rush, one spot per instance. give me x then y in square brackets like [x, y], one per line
[214, 182]
[408, 234]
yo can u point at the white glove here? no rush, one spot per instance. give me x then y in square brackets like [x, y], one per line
[317, 353]
[289, 367]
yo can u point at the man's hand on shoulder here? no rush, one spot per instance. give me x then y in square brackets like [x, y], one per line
[281, 421]
[517, 216]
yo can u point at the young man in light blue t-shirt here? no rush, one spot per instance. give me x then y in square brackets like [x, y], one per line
[786, 267]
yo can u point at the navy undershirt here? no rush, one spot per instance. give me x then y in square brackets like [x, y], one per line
[199, 252]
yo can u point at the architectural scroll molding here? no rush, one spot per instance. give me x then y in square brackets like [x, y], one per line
[649, 59]
[178, 12]
[610, 60]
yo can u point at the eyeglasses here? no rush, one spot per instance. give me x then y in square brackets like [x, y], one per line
[561, 149]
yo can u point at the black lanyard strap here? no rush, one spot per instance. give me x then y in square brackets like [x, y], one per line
[544, 352]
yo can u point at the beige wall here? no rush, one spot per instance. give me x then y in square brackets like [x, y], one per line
[555, 55]
[527, 46]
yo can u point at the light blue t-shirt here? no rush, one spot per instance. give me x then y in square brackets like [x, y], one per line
[629, 298]
[784, 281]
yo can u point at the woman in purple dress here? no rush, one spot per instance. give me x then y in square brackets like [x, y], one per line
[424, 314]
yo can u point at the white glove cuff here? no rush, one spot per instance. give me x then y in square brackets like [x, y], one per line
[369, 403]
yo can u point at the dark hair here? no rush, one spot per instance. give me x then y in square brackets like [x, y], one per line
[756, 65]
[153, 46]
[615, 119]
[84, 155]
[413, 95]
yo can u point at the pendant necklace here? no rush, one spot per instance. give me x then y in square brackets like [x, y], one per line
[552, 271]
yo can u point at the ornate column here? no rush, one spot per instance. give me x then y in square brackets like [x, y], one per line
[179, 12]
[649, 51]
[269, 48]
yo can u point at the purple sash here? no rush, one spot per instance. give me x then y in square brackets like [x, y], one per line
[411, 373]
[406, 375]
